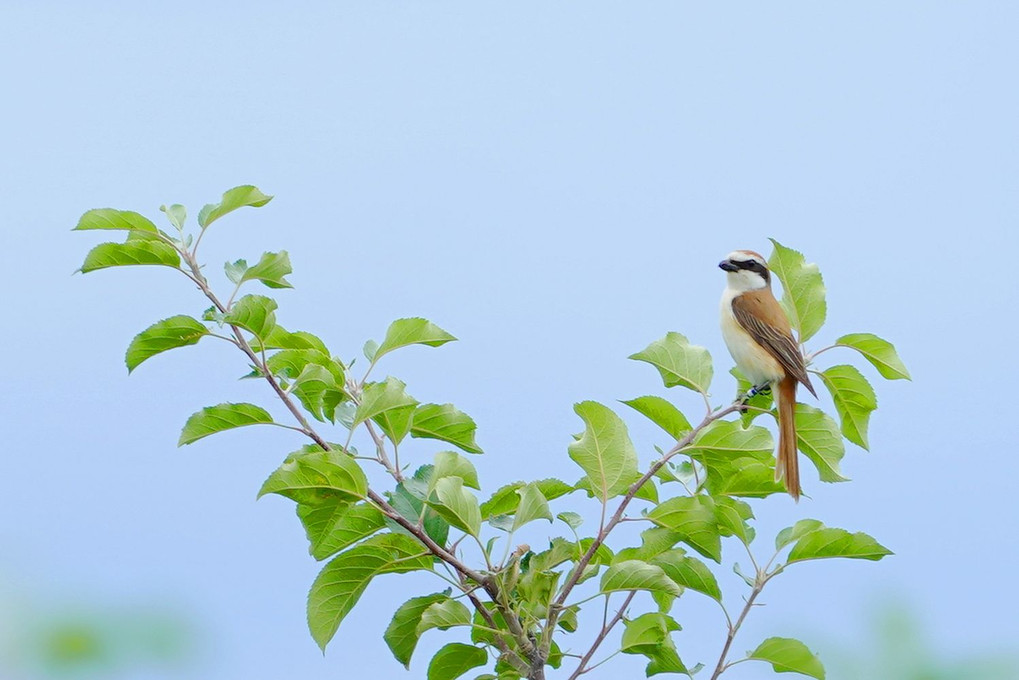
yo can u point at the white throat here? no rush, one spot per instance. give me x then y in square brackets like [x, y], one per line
[744, 280]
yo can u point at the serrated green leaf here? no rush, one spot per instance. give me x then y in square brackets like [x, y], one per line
[650, 635]
[506, 499]
[693, 519]
[604, 451]
[452, 464]
[411, 505]
[380, 397]
[313, 477]
[402, 633]
[108, 218]
[532, 506]
[455, 659]
[456, 505]
[662, 413]
[270, 270]
[787, 655]
[572, 519]
[854, 400]
[280, 338]
[793, 533]
[446, 423]
[725, 440]
[413, 331]
[818, 437]
[238, 197]
[732, 516]
[253, 313]
[335, 525]
[679, 362]
[213, 419]
[828, 542]
[746, 477]
[235, 270]
[444, 615]
[637, 575]
[688, 572]
[343, 580]
[878, 352]
[176, 331]
[132, 252]
[176, 213]
[802, 290]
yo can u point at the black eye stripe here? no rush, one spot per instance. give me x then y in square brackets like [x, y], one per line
[752, 265]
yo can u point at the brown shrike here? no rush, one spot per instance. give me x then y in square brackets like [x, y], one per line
[760, 339]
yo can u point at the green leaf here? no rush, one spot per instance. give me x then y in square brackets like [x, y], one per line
[108, 218]
[787, 655]
[408, 500]
[341, 583]
[414, 331]
[879, 352]
[370, 349]
[380, 397]
[235, 270]
[444, 615]
[638, 575]
[506, 499]
[213, 419]
[336, 525]
[802, 290]
[572, 519]
[313, 477]
[827, 542]
[757, 404]
[454, 660]
[818, 437]
[532, 506]
[693, 519]
[604, 451]
[254, 313]
[140, 252]
[738, 461]
[177, 331]
[679, 362]
[662, 413]
[176, 213]
[402, 633]
[270, 270]
[688, 572]
[854, 400]
[456, 505]
[793, 533]
[280, 338]
[445, 423]
[650, 635]
[238, 197]
[732, 516]
[452, 464]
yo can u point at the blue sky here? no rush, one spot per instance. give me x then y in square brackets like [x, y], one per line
[554, 184]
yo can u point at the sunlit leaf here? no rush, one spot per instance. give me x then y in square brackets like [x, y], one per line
[637, 575]
[788, 656]
[818, 437]
[108, 218]
[238, 197]
[679, 362]
[533, 505]
[693, 519]
[312, 477]
[334, 525]
[650, 635]
[270, 270]
[452, 464]
[213, 419]
[132, 252]
[688, 572]
[381, 397]
[828, 542]
[662, 413]
[444, 615]
[177, 331]
[879, 352]
[402, 633]
[456, 505]
[414, 331]
[254, 313]
[802, 290]
[446, 423]
[341, 583]
[793, 533]
[854, 400]
[455, 659]
[604, 451]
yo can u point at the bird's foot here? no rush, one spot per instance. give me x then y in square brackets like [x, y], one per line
[750, 394]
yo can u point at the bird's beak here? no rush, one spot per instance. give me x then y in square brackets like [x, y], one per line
[727, 266]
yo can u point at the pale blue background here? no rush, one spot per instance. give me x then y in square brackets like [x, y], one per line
[552, 182]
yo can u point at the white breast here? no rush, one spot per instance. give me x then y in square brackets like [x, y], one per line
[752, 360]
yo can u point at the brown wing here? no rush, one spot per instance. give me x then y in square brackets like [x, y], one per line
[761, 316]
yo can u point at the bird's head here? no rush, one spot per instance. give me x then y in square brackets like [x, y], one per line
[746, 270]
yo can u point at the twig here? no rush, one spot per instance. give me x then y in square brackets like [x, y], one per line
[605, 630]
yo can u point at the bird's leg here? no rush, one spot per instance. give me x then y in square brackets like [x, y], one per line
[763, 388]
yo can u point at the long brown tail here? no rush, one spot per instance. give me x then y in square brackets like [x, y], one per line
[788, 465]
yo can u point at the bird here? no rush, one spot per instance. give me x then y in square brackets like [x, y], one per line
[759, 337]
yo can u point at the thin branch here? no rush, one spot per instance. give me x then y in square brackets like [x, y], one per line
[605, 630]
[734, 628]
